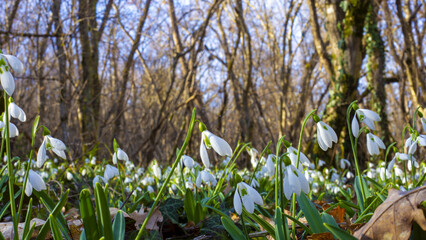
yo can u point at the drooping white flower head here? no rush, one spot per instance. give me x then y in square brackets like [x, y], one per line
[13, 130]
[69, 176]
[110, 172]
[344, 163]
[246, 196]
[253, 157]
[254, 183]
[292, 154]
[366, 116]
[187, 161]
[17, 112]
[325, 135]
[34, 181]
[373, 144]
[321, 163]
[120, 155]
[97, 179]
[57, 146]
[156, 170]
[15, 63]
[294, 182]
[206, 177]
[7, 81]
[270, 166]
[218, 144]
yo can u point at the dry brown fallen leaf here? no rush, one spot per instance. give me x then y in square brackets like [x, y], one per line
[140, 216]
[394, 217]
[321, 236]
[6, 228]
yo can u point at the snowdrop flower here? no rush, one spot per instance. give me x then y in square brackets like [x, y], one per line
[84, 172]
[7, 80]
[187, 161]
[270, 166]
[325, 135]
[253, 154]
[246, 196]
[58, 147]
[97, 179]
[374, 143]
[398, 155]
[110, 172]
[294, 182]
[14, 62]
[17, 112]
[411, 163]
[349, 175]
[34, 181]
[254, 183]
[218, 144]
[120, 155]
[292, 154]
[205, 177]
[156, 170]
[69, 176]
[366, 116]
[13, 130]
[93, 161]
[413, 140]
[150, 189]
[321, 163]
[423, 120]
[344, 163]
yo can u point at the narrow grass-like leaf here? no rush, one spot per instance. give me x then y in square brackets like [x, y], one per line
[358, 193]
[30, 232]
[1, 237]
[88, 216]
[34, 129]
[102, 210]
[311, 214]
[268, 227]
[28, 218]
[189, 205]
[54, 228]
[339, 233]
[281, 231]
[232, 229]
[119, 226]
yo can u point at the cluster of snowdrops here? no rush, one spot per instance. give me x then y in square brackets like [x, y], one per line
[285, 179]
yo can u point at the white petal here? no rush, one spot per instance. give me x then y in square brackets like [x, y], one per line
[56, 143]
[110, 172]
[204, 155]
[355, 127]
[391, 164]
[254, 195]
[321, 143]
[36, 181]
[408, 142]
[403, 156]
[237, 203]
[198, 180]
[2, 124]
[379, 142]
[423, 123]
[41, 155]
[59, 153]
[15, 63]
[332, 132]
[369, 123]
[121, 155]
[422, 140]
[7, 82]
[28, 189]
[303, 159]
[219, 145]
[287, 188]
[304, 185]
[13, 130]
[326, 136]
[114, 158]
[371, 145]
[248, 203]
[412, 148]
[294, 183]
[371, 114]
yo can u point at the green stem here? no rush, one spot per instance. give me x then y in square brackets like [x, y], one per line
[386, 159]
[10, 168]
[258, 163]
[164, 186]
[415, 116]
[293, 200]
[244, 225]
[358, 173]
[277, 175]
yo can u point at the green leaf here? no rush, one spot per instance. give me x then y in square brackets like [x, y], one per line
[327, 218]
[115, 144]
[54, 210]
[119, 226]
[311, 214]
[1, 237]
[88, 216]
[54, 227]
[268, 227]
[102, 211]
[28, 218]
[30, 232]
[189, 205]
[34, 129]
[358, 192]
[340, 233]
[281, 232]
[233, 230]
